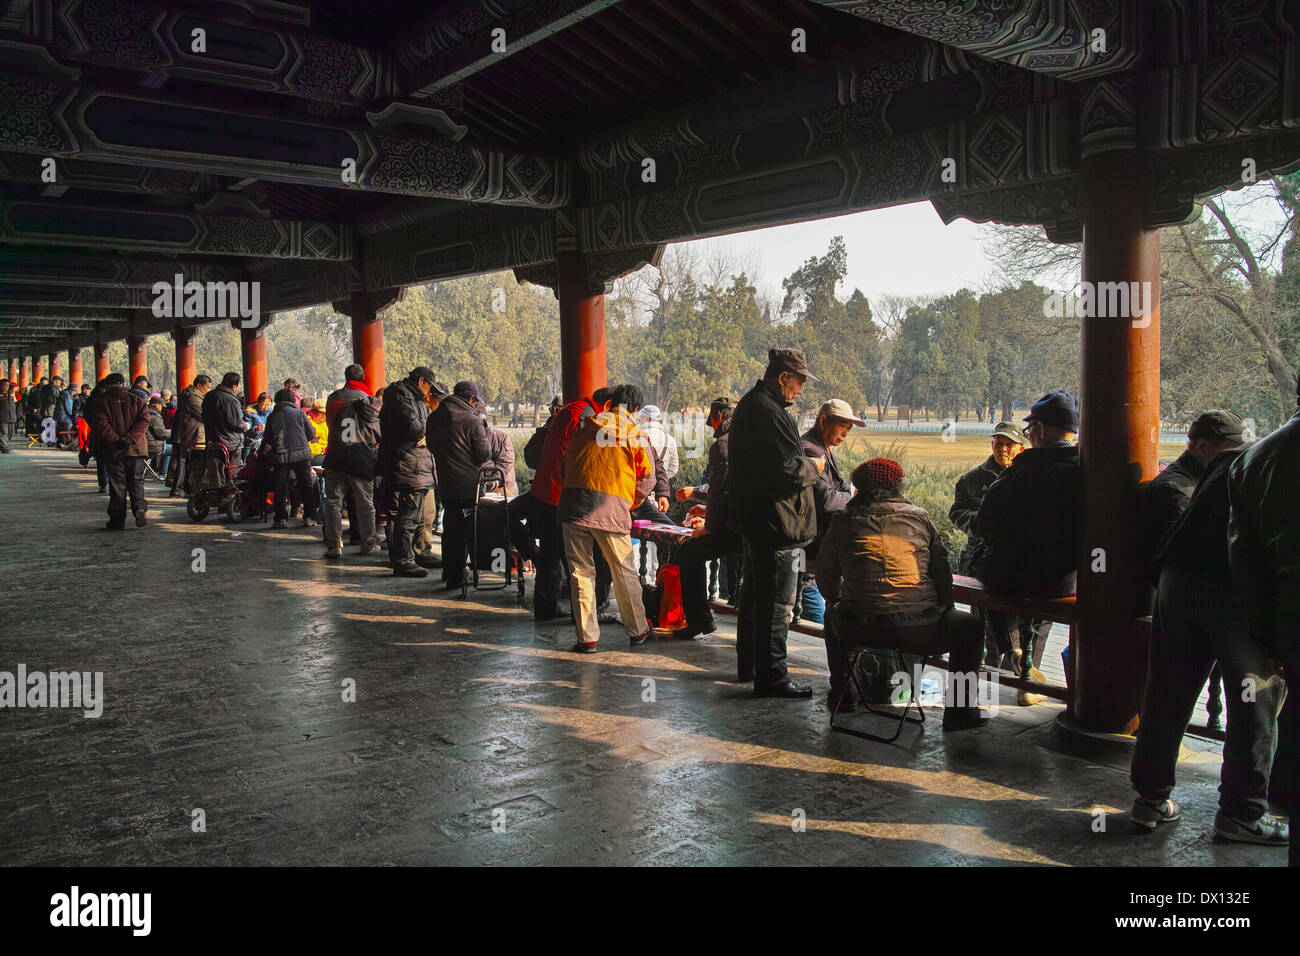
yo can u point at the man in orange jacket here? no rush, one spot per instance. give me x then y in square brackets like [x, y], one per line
[608, 470]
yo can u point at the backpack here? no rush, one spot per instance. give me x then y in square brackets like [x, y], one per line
[359, 457]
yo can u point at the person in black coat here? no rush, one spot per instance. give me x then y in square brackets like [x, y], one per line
[770, 504]
[287, 441]
[835, 419]
[406, 464]
[1031, 517]
[1002, 630]
[457, 437]
[223, 418]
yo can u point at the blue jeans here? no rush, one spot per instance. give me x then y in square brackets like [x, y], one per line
[766, 597]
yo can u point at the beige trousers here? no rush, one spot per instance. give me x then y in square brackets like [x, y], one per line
[580, 544]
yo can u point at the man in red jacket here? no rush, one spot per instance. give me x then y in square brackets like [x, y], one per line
[119, 422]
[544, 500]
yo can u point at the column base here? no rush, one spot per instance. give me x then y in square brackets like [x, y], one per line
[1075, 739]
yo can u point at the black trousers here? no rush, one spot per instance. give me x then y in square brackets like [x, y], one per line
[101, 472]
[1198, 620]
[551, 567]
[693, 558]
[457, 536]
[298, 472]
[766, 599]
[125, 479]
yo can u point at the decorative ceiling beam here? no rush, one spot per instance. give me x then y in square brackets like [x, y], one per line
[1056, 37]
[65, 312]
[60, 118]
[276, 58]
[453, 44]
[54, 294]
[61, 268]
[170, 230]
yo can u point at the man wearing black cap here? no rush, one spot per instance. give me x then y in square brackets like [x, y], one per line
[1264, 556]
[1030, 517]
[1198, 619]
[457, 436]
[1170, 492]
[406, 464]
[1007, 442]
[713, 539]
[770, 500]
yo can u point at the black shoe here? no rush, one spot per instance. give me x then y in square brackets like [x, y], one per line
[140, 519]
[103, 491]
[115, 525]
[786, 689]
[553, 614]
[428, 561]
[410, 571]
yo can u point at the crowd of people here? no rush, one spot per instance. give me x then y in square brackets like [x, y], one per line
[794, 536]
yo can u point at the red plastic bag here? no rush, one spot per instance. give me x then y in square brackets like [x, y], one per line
[671, 612]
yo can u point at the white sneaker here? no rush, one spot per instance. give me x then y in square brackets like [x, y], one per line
[1150, 815]
[1268, 830]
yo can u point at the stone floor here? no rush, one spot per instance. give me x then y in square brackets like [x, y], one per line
[224, 693]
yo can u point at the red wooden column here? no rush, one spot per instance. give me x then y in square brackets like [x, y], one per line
[23, 380]
[252, 342]
[55, 366]
[187, 366]
[1119, 443]
[582, 327]
[13, 369]
[101, 361]
[136, 356]
[368, 337]
[38, 370]
[75, 376]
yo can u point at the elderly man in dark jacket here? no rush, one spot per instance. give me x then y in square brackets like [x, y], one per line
[835, 419]
[223, 418]
[770, 501]
[457, 437]
[713, 539]
[884, 563]
[187, 431]
[287, 442]
[1264, 557]
[1030, 518]
[352, 416]
[1199, 619]
[1002, 630]
[119, 425]
[406, 464]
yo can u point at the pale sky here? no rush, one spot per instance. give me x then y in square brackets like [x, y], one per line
[907, 250]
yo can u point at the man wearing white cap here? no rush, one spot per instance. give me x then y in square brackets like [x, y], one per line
[650, 418]
[835, 419]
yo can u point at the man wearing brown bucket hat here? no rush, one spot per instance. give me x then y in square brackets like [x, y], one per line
[770, 494]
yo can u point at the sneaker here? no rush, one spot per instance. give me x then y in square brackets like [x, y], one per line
[639, 639]
[334, 552]
[410, 571]
[280, 523]
[115, 525]
[963, 718]
[582, 647]
[1268, 830]
[140, 519]
[308, 522]
[368, 549]
[296, 512]
[1150, 815]
[427, 561]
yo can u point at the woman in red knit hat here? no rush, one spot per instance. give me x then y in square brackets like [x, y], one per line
[883, 563]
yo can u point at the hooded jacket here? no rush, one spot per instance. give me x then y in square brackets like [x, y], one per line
[288, 436]
[457, 435]
[187, 426]
[222, 416]
[359, 456]
[1030, 522]
[769, 481]
[548, 482]
[119, 424]
[402, 460]
[969, 493]
[1264, 534]
[608, 470]
[885, 561]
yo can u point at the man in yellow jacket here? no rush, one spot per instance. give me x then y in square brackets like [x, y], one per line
[608, 470]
